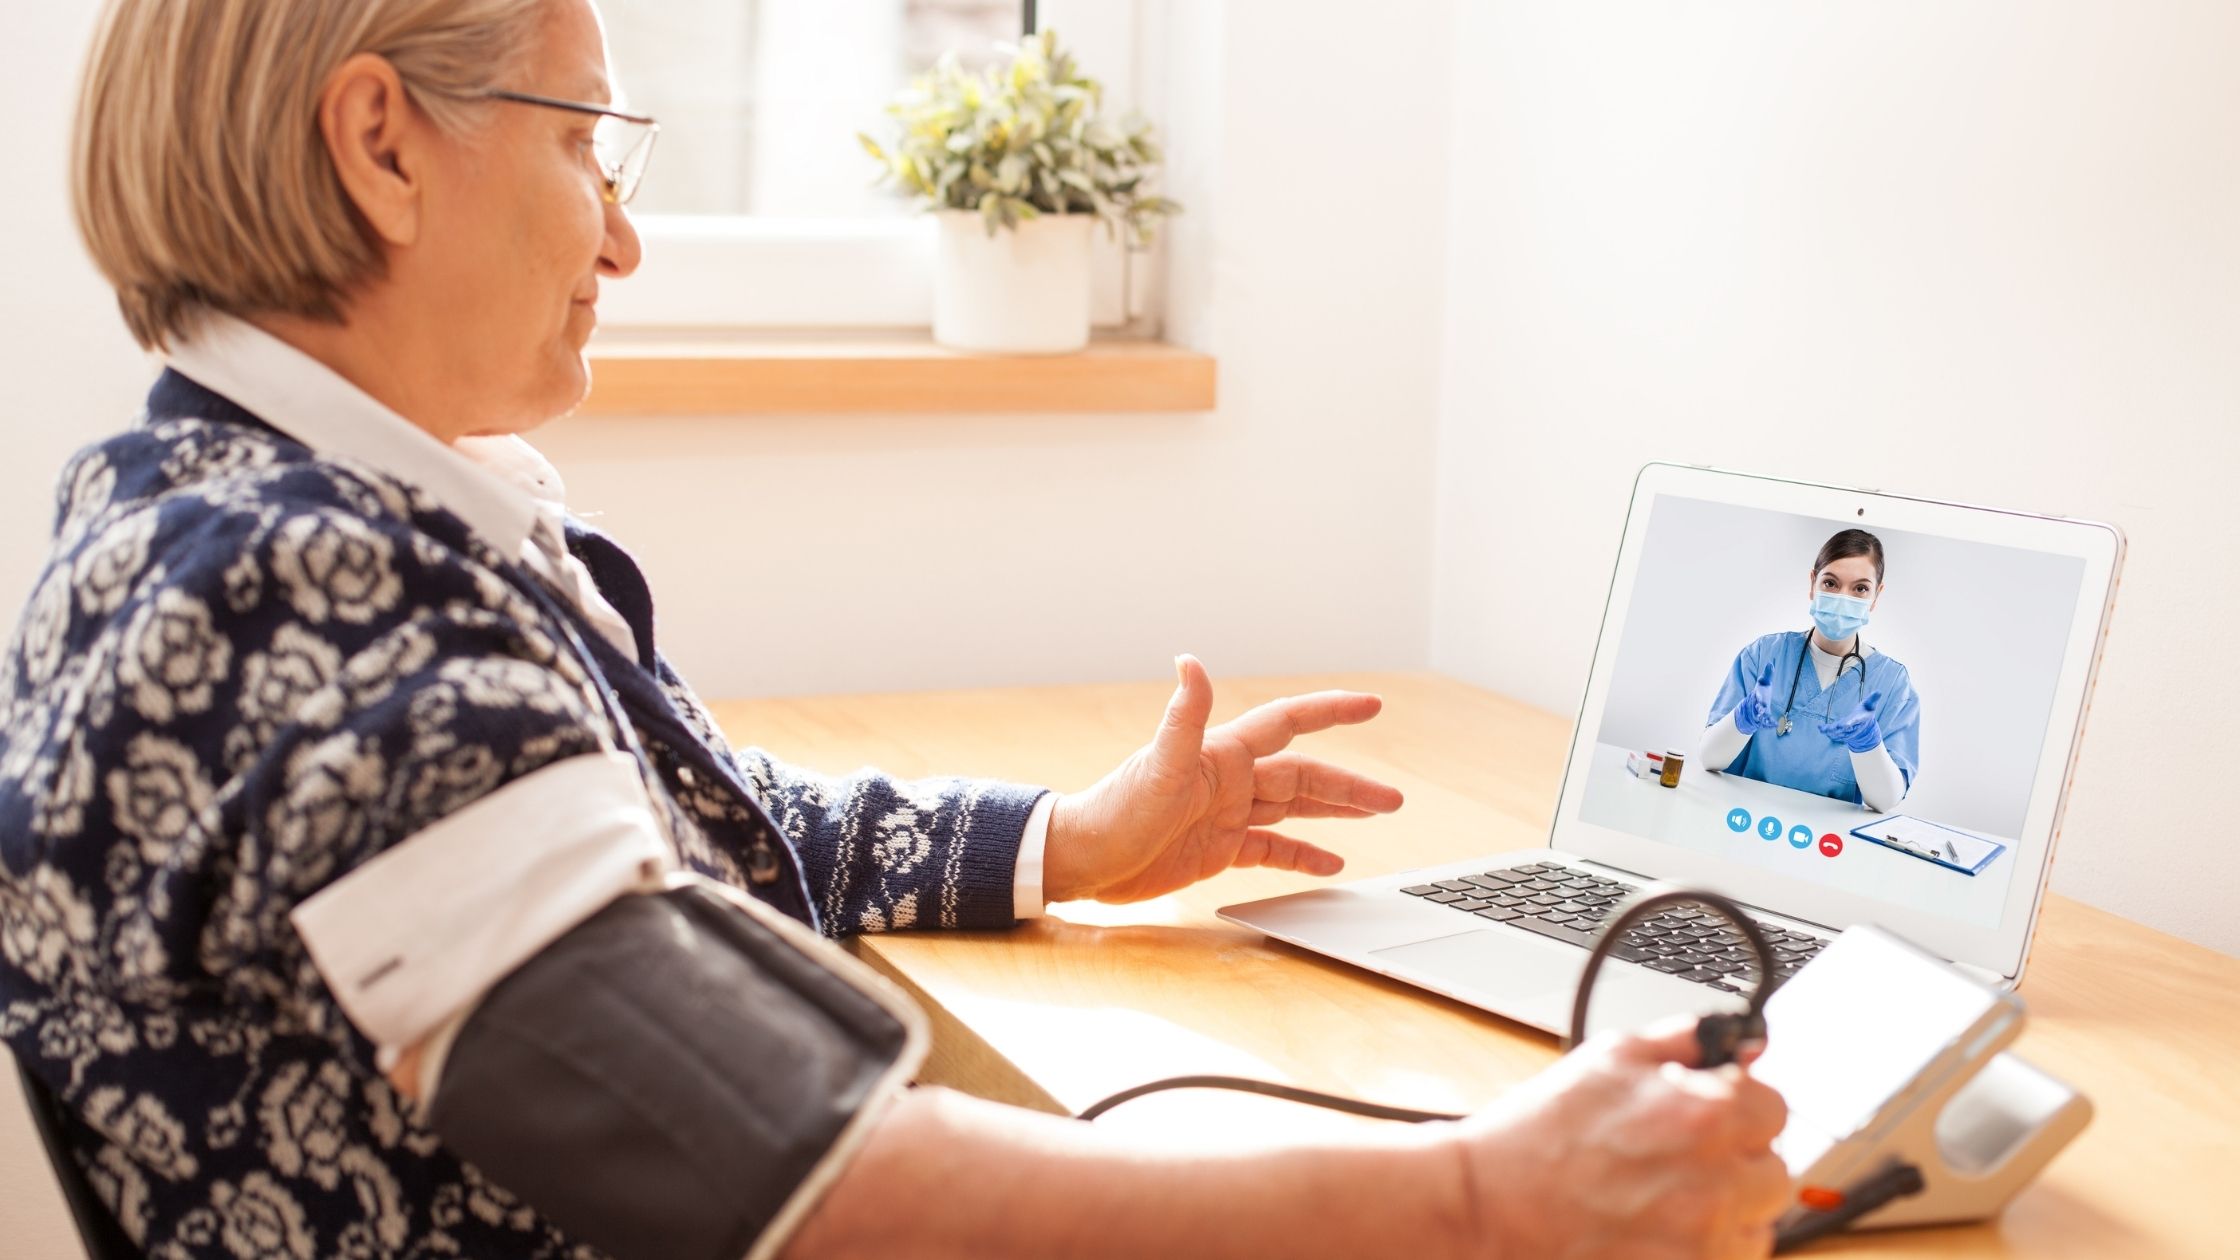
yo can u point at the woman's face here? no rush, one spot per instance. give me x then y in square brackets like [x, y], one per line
[518, 237]
[1852, 576]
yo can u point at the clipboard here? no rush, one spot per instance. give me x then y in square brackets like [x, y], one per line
[1917, 837]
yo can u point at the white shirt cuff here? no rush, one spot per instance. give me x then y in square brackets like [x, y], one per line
[1026, 885]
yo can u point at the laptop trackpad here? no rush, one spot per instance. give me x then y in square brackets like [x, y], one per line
[1523, 977]
[1534, 980]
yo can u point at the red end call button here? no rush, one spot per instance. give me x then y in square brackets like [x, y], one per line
[1831, 844]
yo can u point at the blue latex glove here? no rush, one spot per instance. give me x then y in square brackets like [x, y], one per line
[1859, 732]
[1755, 713]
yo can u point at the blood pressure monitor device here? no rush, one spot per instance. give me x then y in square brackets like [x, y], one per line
[1904, 1108]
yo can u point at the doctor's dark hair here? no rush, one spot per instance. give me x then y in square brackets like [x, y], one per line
[1846, 544]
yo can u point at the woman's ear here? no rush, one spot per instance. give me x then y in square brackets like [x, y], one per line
[373, 133]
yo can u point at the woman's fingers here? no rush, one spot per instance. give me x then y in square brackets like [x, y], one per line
[1267, 729]
[1762, 1189]
[1760, 1113]
[1280, 852]
[1265, 812]
[1290, 777]
[1182, 729]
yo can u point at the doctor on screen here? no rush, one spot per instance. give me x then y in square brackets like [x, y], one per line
[1820, 710]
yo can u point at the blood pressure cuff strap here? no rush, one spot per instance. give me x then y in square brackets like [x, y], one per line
[676, 1077]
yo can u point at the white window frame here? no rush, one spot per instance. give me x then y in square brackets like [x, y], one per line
[765, 273]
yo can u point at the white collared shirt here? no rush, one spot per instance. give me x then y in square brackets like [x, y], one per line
[501, 487]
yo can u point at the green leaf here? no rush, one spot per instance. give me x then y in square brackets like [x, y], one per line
[1025, 136]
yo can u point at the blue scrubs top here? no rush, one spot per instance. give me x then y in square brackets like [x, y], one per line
[1804, 758]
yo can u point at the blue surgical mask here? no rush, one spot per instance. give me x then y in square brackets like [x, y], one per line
[1839, 616]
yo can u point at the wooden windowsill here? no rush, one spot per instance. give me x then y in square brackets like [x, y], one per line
[762, 374]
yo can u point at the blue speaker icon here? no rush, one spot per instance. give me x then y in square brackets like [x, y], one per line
[1738, 819]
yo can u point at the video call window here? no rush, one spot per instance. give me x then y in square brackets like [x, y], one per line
[1863, 708]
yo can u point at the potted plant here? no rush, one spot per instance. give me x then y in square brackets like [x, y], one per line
[1018, 164]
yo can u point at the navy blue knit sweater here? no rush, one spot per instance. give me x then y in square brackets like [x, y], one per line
[244, 671]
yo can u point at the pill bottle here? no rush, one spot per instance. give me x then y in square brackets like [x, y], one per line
[1670, 776]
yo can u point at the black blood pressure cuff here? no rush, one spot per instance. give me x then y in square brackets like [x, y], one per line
[675, 1077]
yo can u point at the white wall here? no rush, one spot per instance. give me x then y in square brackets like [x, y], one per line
[1988, 252]
[73, 372]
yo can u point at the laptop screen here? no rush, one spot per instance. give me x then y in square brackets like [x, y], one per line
[1860, 708]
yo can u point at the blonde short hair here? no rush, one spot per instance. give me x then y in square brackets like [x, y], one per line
[199, 175]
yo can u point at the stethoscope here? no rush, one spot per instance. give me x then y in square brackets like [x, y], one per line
[1784, 726]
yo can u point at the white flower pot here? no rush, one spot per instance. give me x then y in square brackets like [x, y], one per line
[1024, 290]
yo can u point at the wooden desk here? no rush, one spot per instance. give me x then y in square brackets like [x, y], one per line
[1067, 1009]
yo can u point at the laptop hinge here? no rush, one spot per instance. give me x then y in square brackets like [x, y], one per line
[1981, 975]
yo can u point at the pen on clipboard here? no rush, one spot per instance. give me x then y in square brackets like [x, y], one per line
[1908, 846]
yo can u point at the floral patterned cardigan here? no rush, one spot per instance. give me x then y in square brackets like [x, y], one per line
[244, 671]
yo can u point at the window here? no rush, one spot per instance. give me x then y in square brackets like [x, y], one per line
[758, 99]
[759, 210]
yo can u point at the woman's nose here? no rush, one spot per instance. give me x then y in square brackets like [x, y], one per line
[620, 251]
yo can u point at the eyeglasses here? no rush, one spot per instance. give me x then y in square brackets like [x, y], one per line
[620, 143]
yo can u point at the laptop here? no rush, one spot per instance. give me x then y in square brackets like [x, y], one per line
[1982, 639]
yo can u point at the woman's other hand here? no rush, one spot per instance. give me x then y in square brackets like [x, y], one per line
[1859, 731]
[1622, 1149]
[1755, 713]
[1195, 802]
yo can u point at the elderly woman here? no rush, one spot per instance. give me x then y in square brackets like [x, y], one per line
[371, 885]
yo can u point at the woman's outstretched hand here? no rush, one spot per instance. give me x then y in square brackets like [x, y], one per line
[1860, 730]
[1194, 802]
[1755, 713]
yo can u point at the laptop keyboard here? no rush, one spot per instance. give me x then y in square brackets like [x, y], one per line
[1568, 904]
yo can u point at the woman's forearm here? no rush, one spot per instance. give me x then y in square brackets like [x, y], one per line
[1722, 742]
[947, 1175]
[1881, 784]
